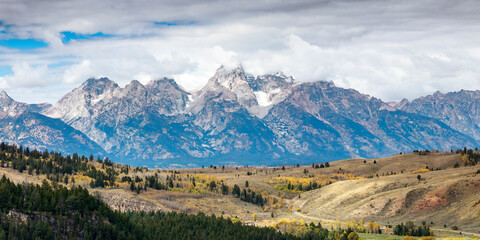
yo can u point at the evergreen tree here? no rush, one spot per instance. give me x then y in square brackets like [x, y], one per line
[236, 190]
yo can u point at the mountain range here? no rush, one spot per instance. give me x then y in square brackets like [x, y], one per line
[238, 119]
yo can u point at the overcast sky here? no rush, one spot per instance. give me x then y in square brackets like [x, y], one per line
[388, 49]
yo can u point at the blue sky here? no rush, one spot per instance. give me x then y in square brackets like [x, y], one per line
[9, 40]
[5, 70]
[385, 48]
[23, 44]
[69, 36]
[174, 23]
[31, 43]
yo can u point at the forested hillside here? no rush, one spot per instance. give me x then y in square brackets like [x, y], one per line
[51, 211]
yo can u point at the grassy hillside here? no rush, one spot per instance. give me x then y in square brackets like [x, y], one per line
[435, 187]
[448, 197]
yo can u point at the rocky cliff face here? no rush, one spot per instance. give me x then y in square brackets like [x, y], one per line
[134, 122]
[11, 108]
[238, 118]
[460, 110]
[225, 109]
[21, 124]
[354, 124]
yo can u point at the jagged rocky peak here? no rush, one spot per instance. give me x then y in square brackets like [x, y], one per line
[81, 101]
[166, 93]
[224, 72]
[164, 87]
[7, 104]
[93, 90]
[98, 85]
[450, 96]
[328, 90]
[232, 78]
[135, 89]
[256, 94]
[161, 83]
[10, 107]
[270, 82]
[321, 97]
[475, 94]
[321, 88]
[236, 81]
[98, 82]
[236, 78]
[102, 94]
[5, 100]
[401, 104]
[326, 84]
[271, 88]
[460, 110]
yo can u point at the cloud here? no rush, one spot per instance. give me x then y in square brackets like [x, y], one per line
[25, 75]
[78, 72]
[388, 49]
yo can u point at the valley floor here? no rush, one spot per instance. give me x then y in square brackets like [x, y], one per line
[435, 188]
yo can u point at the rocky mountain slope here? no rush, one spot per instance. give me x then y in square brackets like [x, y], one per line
[359, 124]
[460, 110]
[134, 122]
[21, 124]
[238, 118]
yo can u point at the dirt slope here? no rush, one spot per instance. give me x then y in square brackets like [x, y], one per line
[450, 196]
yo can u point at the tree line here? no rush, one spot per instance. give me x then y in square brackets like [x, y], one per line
[409, 229]
[246, 195]
[56, 167]
[472, 156]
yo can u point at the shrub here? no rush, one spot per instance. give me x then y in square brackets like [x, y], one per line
[427, 238]
[352, 236]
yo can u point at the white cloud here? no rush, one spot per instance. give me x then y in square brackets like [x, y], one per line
[78, 72]
[389, 49]
[25, 75]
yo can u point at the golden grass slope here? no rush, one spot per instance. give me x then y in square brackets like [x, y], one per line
[445, 197]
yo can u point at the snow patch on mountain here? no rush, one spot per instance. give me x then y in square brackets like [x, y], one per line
[98, 99]
[190, 101]
[262, 98]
